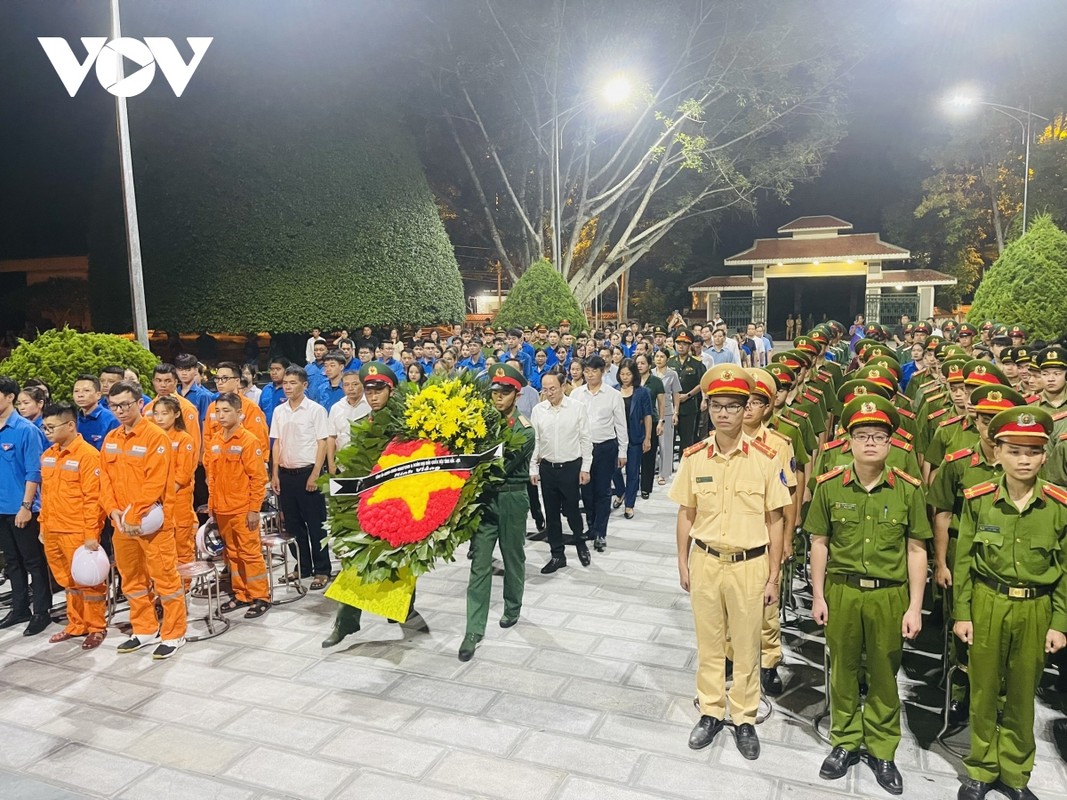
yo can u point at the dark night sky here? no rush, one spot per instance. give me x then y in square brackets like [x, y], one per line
[53, 147]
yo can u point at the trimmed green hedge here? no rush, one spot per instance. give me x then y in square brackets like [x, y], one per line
[1027, 285]
[540, 296]
[58, 357]
[275, 216]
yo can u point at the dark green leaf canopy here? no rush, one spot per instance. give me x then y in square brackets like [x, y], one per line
[540, 297]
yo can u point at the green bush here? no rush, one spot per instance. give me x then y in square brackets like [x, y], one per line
[540, 296]
[1027, 285]
[58, 357]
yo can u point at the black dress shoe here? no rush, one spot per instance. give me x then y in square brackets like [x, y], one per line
[887, 775]
[600, 544]
[747, 741]
[13, 618]
[466, 649]
[973, 790]
[704, 732]
[1014, 794]
[38, 622]
[552, 565]
[583, 555]
[836, 764]
[645, 495]
[508, 622]
[770, 681]
[957, 712]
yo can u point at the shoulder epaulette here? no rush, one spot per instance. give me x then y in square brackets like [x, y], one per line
[979, 490]
[905, 476]
[951, 421]
[906, 413]
[815, 389]
[794, 423]
[810, 397]
[905, 446]
[832, 445]
[1055, 492]
[1031, 399]
[1063, 437]
[831, 474]
[764, 448]
[524, 421]
[693, 448]
[949, 458]
[799, 413]
[1061, 415]
[931, 398]
[937, 413]
[903, 434]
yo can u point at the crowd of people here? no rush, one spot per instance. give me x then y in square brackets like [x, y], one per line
[958, 431]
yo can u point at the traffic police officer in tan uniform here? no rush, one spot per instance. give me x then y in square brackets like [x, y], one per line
[731, 491]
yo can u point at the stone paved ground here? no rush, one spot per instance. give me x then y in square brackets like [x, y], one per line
[588, 698]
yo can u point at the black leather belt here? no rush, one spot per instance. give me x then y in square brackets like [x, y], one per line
[865, 582]
[559, 464]
[730, 558]
[295, 470]
[1015, 592]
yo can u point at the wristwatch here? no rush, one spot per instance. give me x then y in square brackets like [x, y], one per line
[27, 506]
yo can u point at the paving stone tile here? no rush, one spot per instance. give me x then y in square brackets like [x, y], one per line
[340, 672]
[22, 747]
[98, 727]
[686, 779]
[266, 692]
[579, 665]
[442, 694]
[612, 697]
[23, 787]
[31, 709]
[543, 714]
[650, 735]
[79, 766]
[669, 681]
[511, 679]
[383, 751]
[462, 730]
[169, 783]
[184, 676]
[618, 628]
[362, 709]
[185, 749]
[374, 784]
[508, 780]
[196, 711]
[659, 655]
[799, 765]
[576, 788]
[268, 662]
[568, 603]
[109, 692]
[579, 755]
[289, 773]
[674, 617]
[32, 675]
[406, 657]
[554, 638]
[299, 732]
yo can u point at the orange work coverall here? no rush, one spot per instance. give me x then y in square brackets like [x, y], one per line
[190, 414]
[184, 460]
[70, 516]
[252, 420]
[136, 471]
[237, 484]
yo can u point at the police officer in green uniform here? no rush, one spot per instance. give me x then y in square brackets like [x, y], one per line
[378, 381]
[1052, 362]
[868, 528]
[690, 370]
[962, 469]
[503, 520]
[1011, 601]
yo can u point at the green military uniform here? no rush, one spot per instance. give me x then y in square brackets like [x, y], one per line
[1055, 469]
[506, 507]
[1054, 357]
[953, 431]
[1008, 581]
[866, 587]
[690, 370]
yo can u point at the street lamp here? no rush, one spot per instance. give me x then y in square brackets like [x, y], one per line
[616, 91]
[963, 101]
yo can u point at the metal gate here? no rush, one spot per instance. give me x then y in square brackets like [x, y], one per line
[887, 309]
[737, 310]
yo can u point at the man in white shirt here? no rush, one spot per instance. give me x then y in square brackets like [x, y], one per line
[608, 431]
[352, 408]
[759, 358]
[300, 430]
[562, 457]
[730, 344]
[309, 346]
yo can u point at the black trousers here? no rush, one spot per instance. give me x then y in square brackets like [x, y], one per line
[596, 495]
[560, 488]
[305, 513]
[648, 464]
[26, 566]
[535, 505]
[687, 429]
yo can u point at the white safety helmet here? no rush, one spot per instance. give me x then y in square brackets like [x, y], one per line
[89, 567]
[209, 543]
[151, 522]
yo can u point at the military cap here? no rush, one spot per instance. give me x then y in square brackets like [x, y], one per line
[933, 342]
[1007, 355]
[794, 359]
[505, 376]
[527, 329]
[979, 372]
[923, 328]
[1023, 356]
[882, 377]
[376, 374]
[835, 326]
[563, 322]
[765, 385]
[1017, 332]
[999, 332]
[683, 336]
[909, 328]
[990, 399]
[819, 335]
[870, 410]
[952, 369]
[806, 344]
[659, 330]
[888, 363]
[876, 350]
[873, 331]
[1022, 425]
[967, 329]
[1055, 355]
[987, 325]
[727, 379]
[542, 328]
[782, 373]
[949, 325]
[859, 387]
[953, 351]
[863, 344]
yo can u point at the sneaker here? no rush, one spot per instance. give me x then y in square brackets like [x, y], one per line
[167, 648]
[135, 643]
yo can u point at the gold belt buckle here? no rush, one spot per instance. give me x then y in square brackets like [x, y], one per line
[1018, 592]
[868, 583]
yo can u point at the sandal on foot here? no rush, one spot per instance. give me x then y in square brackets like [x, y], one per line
[628, 513]
[258, 609]
[662, 481]
[292, 577]
[616, 503]
[319, 582]
[94, 640]
[232, 605]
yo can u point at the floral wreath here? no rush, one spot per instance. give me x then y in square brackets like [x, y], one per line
[405, 524]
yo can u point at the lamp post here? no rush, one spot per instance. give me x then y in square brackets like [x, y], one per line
[963, 101]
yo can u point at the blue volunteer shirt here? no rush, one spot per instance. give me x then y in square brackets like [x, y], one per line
[328, 395]
[395, 366]
[269, 399]
[199, 397]
[95, 425]
[21, 446]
